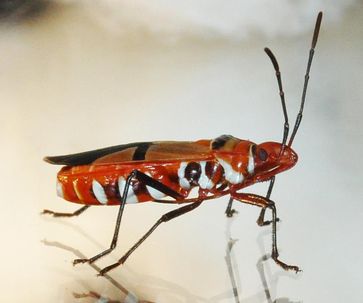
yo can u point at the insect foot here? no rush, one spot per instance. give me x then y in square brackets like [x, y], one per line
[77, 261]
[108, 268]
[275, 257]
[287, 267]
[266, 223]
[230, 213]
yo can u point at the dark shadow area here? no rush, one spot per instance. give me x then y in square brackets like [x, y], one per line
[16, 11]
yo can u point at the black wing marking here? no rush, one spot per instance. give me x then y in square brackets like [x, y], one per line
[90, 156]
[141, 150]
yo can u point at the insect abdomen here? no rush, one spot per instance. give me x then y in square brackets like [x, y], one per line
[104, 185]
[96, 186]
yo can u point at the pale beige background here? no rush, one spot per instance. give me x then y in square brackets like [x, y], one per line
[70, 83]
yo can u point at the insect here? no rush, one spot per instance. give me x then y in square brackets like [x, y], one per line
[167, 171]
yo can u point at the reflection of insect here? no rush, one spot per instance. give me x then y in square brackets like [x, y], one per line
[167, 171]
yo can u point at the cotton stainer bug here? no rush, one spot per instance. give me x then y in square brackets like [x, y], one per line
[167, 171]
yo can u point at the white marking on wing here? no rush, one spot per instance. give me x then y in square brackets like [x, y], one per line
[204, 182]
[60, 192]
[131, 197]
[230, 174]
[154, 193]
[99, 192]
[251, 162]
[183, 182]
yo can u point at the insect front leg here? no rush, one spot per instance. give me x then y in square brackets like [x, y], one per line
[145, 179]
[261, 218]
[229, 210]
[266, 203]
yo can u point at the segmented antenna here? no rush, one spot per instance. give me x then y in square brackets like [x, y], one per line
[311, 55]
[282, 96]
[281, 91]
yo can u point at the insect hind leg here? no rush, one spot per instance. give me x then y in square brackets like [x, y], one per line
[149, 181]
[164, 218]
[60, 214]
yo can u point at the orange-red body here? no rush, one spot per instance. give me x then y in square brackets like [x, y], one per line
[217, 167]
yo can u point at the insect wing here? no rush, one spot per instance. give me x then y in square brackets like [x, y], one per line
[88, 157]
[158, 151]
[141, 151]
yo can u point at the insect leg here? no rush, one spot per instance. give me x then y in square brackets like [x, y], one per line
[261, 218]
[56, 214]
[135, 175]
[229, 210]
[164, 218]
[266, 203]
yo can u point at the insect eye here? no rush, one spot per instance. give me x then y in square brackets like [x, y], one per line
[262, 154]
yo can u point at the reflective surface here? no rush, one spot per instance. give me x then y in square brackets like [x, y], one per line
[68, 84]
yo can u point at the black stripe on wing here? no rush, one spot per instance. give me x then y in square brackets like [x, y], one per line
[140, 152]
[90, 156]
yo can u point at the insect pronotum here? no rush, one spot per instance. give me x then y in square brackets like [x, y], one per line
[167, 171]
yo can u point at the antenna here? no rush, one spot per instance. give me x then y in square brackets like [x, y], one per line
[307, 75]
[283, 103]
[282, 96]
[281, 91]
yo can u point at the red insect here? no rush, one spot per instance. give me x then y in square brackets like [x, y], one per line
[166, 172]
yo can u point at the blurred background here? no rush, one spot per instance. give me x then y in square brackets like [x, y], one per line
[81, 75]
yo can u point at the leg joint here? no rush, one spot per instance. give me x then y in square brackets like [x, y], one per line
[271, 205]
